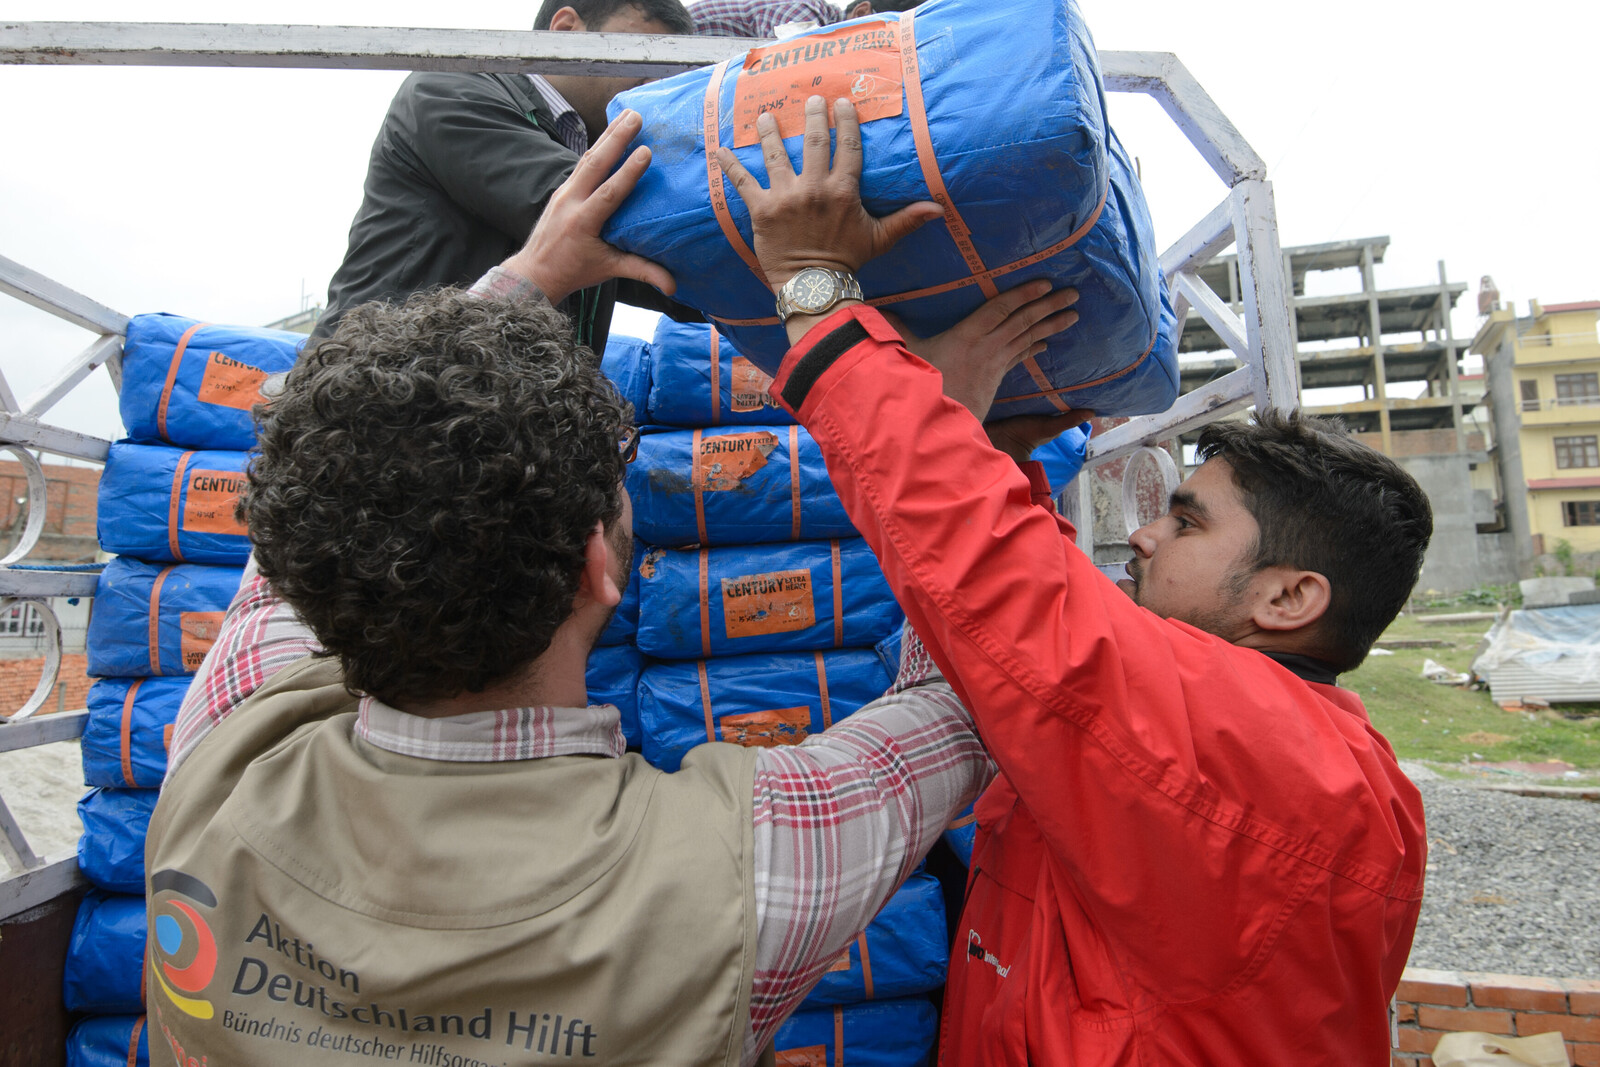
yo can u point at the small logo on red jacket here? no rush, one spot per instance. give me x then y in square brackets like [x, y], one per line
[976, 950]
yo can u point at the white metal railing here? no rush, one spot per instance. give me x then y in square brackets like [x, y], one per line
[1553, 403]
[1549, 340]
[1259, 333]
[28, 879]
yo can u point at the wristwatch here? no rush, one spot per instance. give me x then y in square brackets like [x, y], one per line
[815, 290]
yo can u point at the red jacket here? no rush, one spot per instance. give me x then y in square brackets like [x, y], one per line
[1194, 857]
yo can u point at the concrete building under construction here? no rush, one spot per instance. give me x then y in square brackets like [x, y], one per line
[1388, 362]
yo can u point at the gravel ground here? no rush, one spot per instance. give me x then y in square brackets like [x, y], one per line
[1513, 882]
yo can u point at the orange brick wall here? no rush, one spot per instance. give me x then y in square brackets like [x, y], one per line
[19, 676]
[1434, 1003]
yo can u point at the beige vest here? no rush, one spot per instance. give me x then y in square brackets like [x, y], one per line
[316, 900]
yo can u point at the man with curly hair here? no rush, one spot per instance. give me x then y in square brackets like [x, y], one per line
[393, 826]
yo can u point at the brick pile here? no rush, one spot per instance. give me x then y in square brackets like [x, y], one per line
[1434, 1003]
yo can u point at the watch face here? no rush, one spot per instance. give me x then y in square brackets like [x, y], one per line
[813, 289]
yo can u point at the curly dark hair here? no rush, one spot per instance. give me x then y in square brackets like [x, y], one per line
[426, 484]
[1327, 503]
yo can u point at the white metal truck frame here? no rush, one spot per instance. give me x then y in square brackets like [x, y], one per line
[1263, 340]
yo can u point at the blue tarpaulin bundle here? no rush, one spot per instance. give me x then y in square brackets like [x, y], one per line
[934, 128]
[1063, 457]
[109, 1041]
[774, 699]
[625, 620]
[105, 958]
[125, 740]
[627, 363]
[162, 503]
[613, 678]
[194, 385]
[735, 486]
[153, 618]
[961, 833]
[763, 598]
[111, 850]
[685, 358]
[880, 1033]
[905, 950]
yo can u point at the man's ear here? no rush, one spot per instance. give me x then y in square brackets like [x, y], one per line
[567, 19]
[595, 582]
[1294, 600]
[855, 11]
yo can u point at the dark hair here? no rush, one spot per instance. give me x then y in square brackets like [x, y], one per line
[426, 485]
[1324, 502]
[670, 13]
[880, 6]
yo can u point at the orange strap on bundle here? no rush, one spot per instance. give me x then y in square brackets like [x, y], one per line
[838, 596]
[866, 964]
[172, 378]
[794, 482]
[822, 691]
[705, 701]
[155, 620]
[697, 480]
[716, 379]
[175, 507]
[133, 1042]
[705, 605]
[127, 732]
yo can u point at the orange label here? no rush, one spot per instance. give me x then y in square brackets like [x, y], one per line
[726, 460]
[860, 64]
[199, 631]
[767, 729]
[166, 746]
[811, 1056]
[842, 963]
[211, 500]
[750, 385]
[771, 603]
[230, 383]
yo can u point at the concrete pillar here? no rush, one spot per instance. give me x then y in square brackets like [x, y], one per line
[1380, 374]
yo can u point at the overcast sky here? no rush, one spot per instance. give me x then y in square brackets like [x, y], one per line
[1463, 131]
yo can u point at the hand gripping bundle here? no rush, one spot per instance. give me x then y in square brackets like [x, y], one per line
[1031, 179]
[167, 508]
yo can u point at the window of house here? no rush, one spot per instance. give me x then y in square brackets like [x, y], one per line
[1578, 388]
[1580, 512]
[24, 621]
[1530, 394]
[1578, 451]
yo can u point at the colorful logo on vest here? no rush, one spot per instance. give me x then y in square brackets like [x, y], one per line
[184, 957]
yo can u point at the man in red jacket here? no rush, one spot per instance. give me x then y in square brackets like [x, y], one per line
[1200, 851]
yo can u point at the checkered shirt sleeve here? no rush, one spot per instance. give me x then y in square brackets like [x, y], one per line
[260, 636]
[843, 819]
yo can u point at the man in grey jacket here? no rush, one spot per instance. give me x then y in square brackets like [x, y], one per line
[464, 164]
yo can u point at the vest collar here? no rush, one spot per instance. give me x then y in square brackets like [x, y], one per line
[493, 736]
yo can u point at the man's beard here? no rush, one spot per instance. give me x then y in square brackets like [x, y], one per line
[623, 552]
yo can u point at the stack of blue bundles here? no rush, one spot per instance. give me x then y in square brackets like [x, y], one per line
[167, 508]
[763, 618]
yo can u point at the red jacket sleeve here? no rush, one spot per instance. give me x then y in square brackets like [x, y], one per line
[1134, 741]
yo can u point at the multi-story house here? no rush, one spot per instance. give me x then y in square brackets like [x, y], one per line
[1544, 389]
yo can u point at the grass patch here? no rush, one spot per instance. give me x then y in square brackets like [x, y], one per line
[1446, 725]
